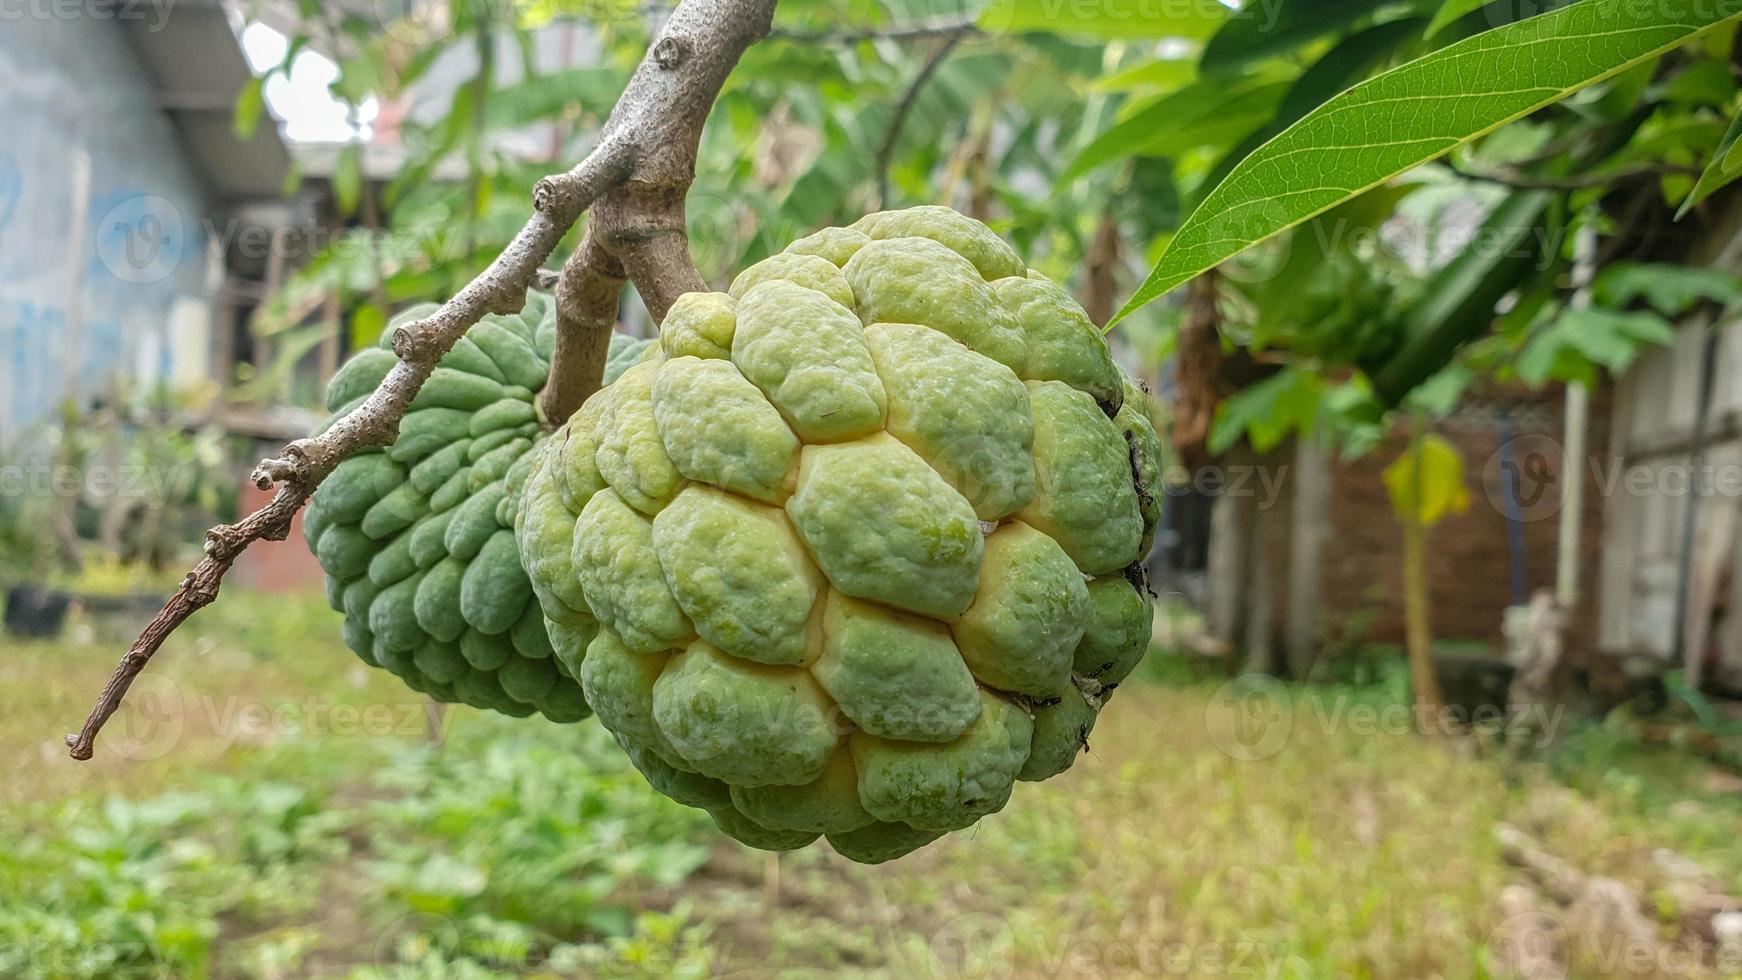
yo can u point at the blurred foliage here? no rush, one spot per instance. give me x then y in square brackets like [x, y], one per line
[1083, 134]
[1357, 139]
[505, 851]
[139, 475]
[1364, 289]
[309, 847]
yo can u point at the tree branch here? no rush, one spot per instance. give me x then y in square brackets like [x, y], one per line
[587, 296]
[646, 154]
[893, 133]
[303, 464]
[643, 225]
[637, 230]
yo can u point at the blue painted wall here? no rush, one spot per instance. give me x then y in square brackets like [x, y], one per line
[67, 84]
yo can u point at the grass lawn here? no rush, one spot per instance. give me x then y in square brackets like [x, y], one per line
[271, 808]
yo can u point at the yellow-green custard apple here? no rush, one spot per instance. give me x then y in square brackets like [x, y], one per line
[416, 539]
[854, 546]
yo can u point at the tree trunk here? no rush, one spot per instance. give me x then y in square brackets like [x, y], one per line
[1198, 383]
[1309, 518]
[1424, 683]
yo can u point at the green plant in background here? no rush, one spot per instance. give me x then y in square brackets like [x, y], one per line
[1279, 145]
[1086, 138]
[1357, 140]
[132, 480]
[519, 847]
[193, 882]
[30, 550]
[1426, 485]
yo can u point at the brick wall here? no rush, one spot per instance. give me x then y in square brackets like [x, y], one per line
[1469, 563]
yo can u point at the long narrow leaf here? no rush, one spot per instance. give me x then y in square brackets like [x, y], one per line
[1450, 11]
[1351, 58]
[1107, 21]
[1177, 121]
[1263, 30]
[1726, 166]
[1418, 111]
[250, 105]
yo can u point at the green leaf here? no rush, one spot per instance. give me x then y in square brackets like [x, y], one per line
[541, 97]
[1669, 289]
[1703, 83]
[367, 322]
[1440, 394]
[1351, 59]
[348, 179]
[1163, 74]
[1457, 302]
[1577, 342]
[1182, 120]
[1418, 111]
[250, 103]
[1287, 401]
[1332, 237]
[1263, 30]
[292, 179]
[1725, 166]
[1103, 20]
[1450, 11]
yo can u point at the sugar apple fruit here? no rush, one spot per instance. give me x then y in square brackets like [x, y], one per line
[855, 546]
[416, 539]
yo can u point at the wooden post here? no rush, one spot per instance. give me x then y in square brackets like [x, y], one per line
[330, 324]
[224, 333]
[1233, 519]
[274, 279]
[1710, 557]
[1573, 443]
[80, 241]
[1260, 610]
[1310, 516]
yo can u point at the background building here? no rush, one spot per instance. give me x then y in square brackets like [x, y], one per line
[124, 191]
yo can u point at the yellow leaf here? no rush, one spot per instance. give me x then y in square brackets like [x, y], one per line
[1428, 480]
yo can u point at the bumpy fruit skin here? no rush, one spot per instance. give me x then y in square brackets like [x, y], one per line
[417, 539]
[853, 547]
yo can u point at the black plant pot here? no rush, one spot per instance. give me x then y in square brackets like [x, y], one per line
[35, 611]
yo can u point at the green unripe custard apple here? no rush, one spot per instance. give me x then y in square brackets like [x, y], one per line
[417, 539]
[853, 546]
